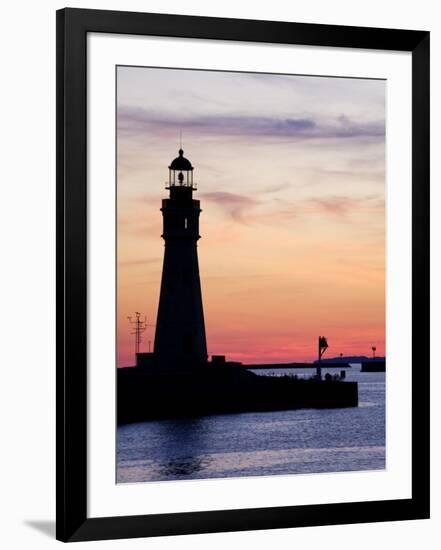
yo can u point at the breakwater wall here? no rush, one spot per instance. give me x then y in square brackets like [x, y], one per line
[144, 394]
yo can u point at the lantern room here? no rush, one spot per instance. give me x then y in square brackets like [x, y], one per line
[180, 172]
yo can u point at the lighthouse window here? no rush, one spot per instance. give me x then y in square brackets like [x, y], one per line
[186, 223]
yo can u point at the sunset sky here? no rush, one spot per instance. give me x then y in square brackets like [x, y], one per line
[291, 178]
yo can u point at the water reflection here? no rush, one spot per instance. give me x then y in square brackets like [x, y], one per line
[184, 438]
[182, 467]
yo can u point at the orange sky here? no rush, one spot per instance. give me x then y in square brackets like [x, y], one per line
[290, 174]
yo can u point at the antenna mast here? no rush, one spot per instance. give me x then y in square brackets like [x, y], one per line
[138, 326]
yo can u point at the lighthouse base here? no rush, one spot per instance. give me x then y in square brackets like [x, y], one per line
[144, 394]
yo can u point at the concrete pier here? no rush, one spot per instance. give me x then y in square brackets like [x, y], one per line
[145, 394]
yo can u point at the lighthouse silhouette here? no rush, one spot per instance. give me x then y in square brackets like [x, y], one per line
[180, 342]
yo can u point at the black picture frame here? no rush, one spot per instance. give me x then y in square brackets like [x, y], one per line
[71, 431]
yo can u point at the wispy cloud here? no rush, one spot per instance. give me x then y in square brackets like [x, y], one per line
[233, 203]
[368, 174]
[275, 188]
[246, 210]
[342, 205]
[335, 205]
[135, 121]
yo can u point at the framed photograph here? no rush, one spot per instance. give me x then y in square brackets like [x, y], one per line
[242, 274]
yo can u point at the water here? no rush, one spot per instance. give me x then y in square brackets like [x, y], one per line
[264, 443]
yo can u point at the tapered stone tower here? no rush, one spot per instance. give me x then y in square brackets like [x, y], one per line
[180, 342]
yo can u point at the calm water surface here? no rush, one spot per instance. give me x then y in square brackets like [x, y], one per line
[264, 443]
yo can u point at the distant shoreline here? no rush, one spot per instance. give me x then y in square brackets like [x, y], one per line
[341, 364]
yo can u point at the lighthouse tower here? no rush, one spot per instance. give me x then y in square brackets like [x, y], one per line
[180, 341]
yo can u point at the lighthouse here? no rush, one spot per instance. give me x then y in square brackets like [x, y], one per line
[176, 379]
[180, 342]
